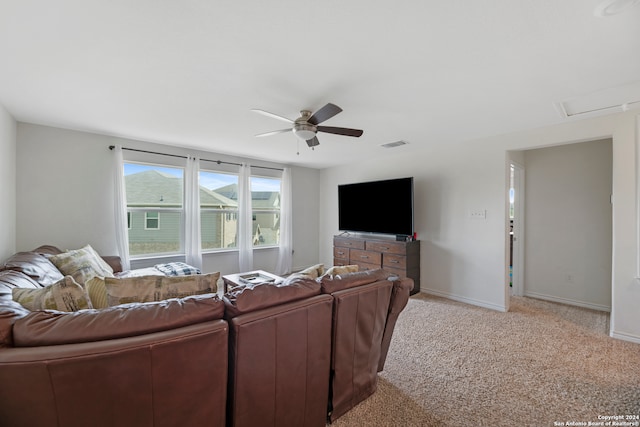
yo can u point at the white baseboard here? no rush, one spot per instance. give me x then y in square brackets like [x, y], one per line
[569, 301]
[625, 337]
[464, 299]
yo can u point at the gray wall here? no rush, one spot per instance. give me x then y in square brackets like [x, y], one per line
[466, 259]
[65, 196]
[7, 184]
[568, 224]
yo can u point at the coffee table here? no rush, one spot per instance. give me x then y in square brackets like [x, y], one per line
[251, 277]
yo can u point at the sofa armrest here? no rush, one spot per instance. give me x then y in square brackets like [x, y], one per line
[114, 261]
[399, 298]
[173, 377]
[359, 318]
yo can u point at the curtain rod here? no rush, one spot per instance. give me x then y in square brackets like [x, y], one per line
[220, 162]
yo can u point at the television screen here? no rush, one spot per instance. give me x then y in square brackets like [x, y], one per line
[384, 207]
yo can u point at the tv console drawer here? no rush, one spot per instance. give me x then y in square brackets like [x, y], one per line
[394, 261]
[347, 242]
[340, 252]
[387, 247]
[340, 261]
[357, 256]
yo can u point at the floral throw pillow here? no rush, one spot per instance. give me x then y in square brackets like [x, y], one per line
[158, 288]
[82, 264]
[64, 295]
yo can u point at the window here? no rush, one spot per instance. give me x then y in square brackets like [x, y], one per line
[265, 204]
[156, 214]
[218, 210]
[154, 208]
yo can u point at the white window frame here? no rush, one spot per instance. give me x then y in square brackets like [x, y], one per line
[160, 210]
[257, 211]
[224, 212]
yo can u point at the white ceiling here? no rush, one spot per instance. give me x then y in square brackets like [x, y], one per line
[187, 72]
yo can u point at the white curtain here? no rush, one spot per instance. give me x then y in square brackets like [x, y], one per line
[120, 209]
[285, 254]
[245, 220]
[193, 251]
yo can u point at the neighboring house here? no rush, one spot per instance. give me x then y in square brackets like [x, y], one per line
[266, 223]
[154, 201]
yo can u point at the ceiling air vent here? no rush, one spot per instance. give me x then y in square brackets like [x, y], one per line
[394, 144]
[606, 101]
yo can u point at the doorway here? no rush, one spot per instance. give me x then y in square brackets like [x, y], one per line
[566, 256]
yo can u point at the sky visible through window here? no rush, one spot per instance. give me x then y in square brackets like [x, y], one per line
[208, 180]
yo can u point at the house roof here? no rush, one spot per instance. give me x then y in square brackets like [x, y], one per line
[430, 73]
[259, 199]
[154, 188]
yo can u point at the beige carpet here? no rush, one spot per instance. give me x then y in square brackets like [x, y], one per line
[452, 364]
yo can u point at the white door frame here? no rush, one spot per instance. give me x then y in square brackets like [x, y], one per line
[518, 229]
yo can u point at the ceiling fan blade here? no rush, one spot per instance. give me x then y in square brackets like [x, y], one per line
[275, 116]
[340, 131]
[275, 132]
[325, 113]
[313, 142]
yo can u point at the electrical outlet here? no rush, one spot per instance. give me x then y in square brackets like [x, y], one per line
[478, 214]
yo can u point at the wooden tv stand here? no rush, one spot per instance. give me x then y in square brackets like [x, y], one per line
[401, 258]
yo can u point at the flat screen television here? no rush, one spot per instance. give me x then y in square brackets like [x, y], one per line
[381, 207]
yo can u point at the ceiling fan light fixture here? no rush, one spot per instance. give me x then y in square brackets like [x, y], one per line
[304, 131]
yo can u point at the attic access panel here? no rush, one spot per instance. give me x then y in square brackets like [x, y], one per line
[610, 100]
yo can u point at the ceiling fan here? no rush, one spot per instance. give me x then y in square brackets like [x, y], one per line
[306, 126]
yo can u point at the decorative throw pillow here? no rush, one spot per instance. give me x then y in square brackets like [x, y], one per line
[104, 265]
[341, 269]
[82, 264]
[177, 269]
[65, 295]
[97, 292]
[158, 288]
[313, 272]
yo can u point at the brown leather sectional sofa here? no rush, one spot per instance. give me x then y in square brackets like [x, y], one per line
[301, 353]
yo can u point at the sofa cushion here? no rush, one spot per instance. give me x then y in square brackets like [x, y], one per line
[82, 264]
[10, 311]
[243, 299]
[332, 284]
[65, 295]
[49, 327]
[34, 265]
[10, 279]
[156, 288]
